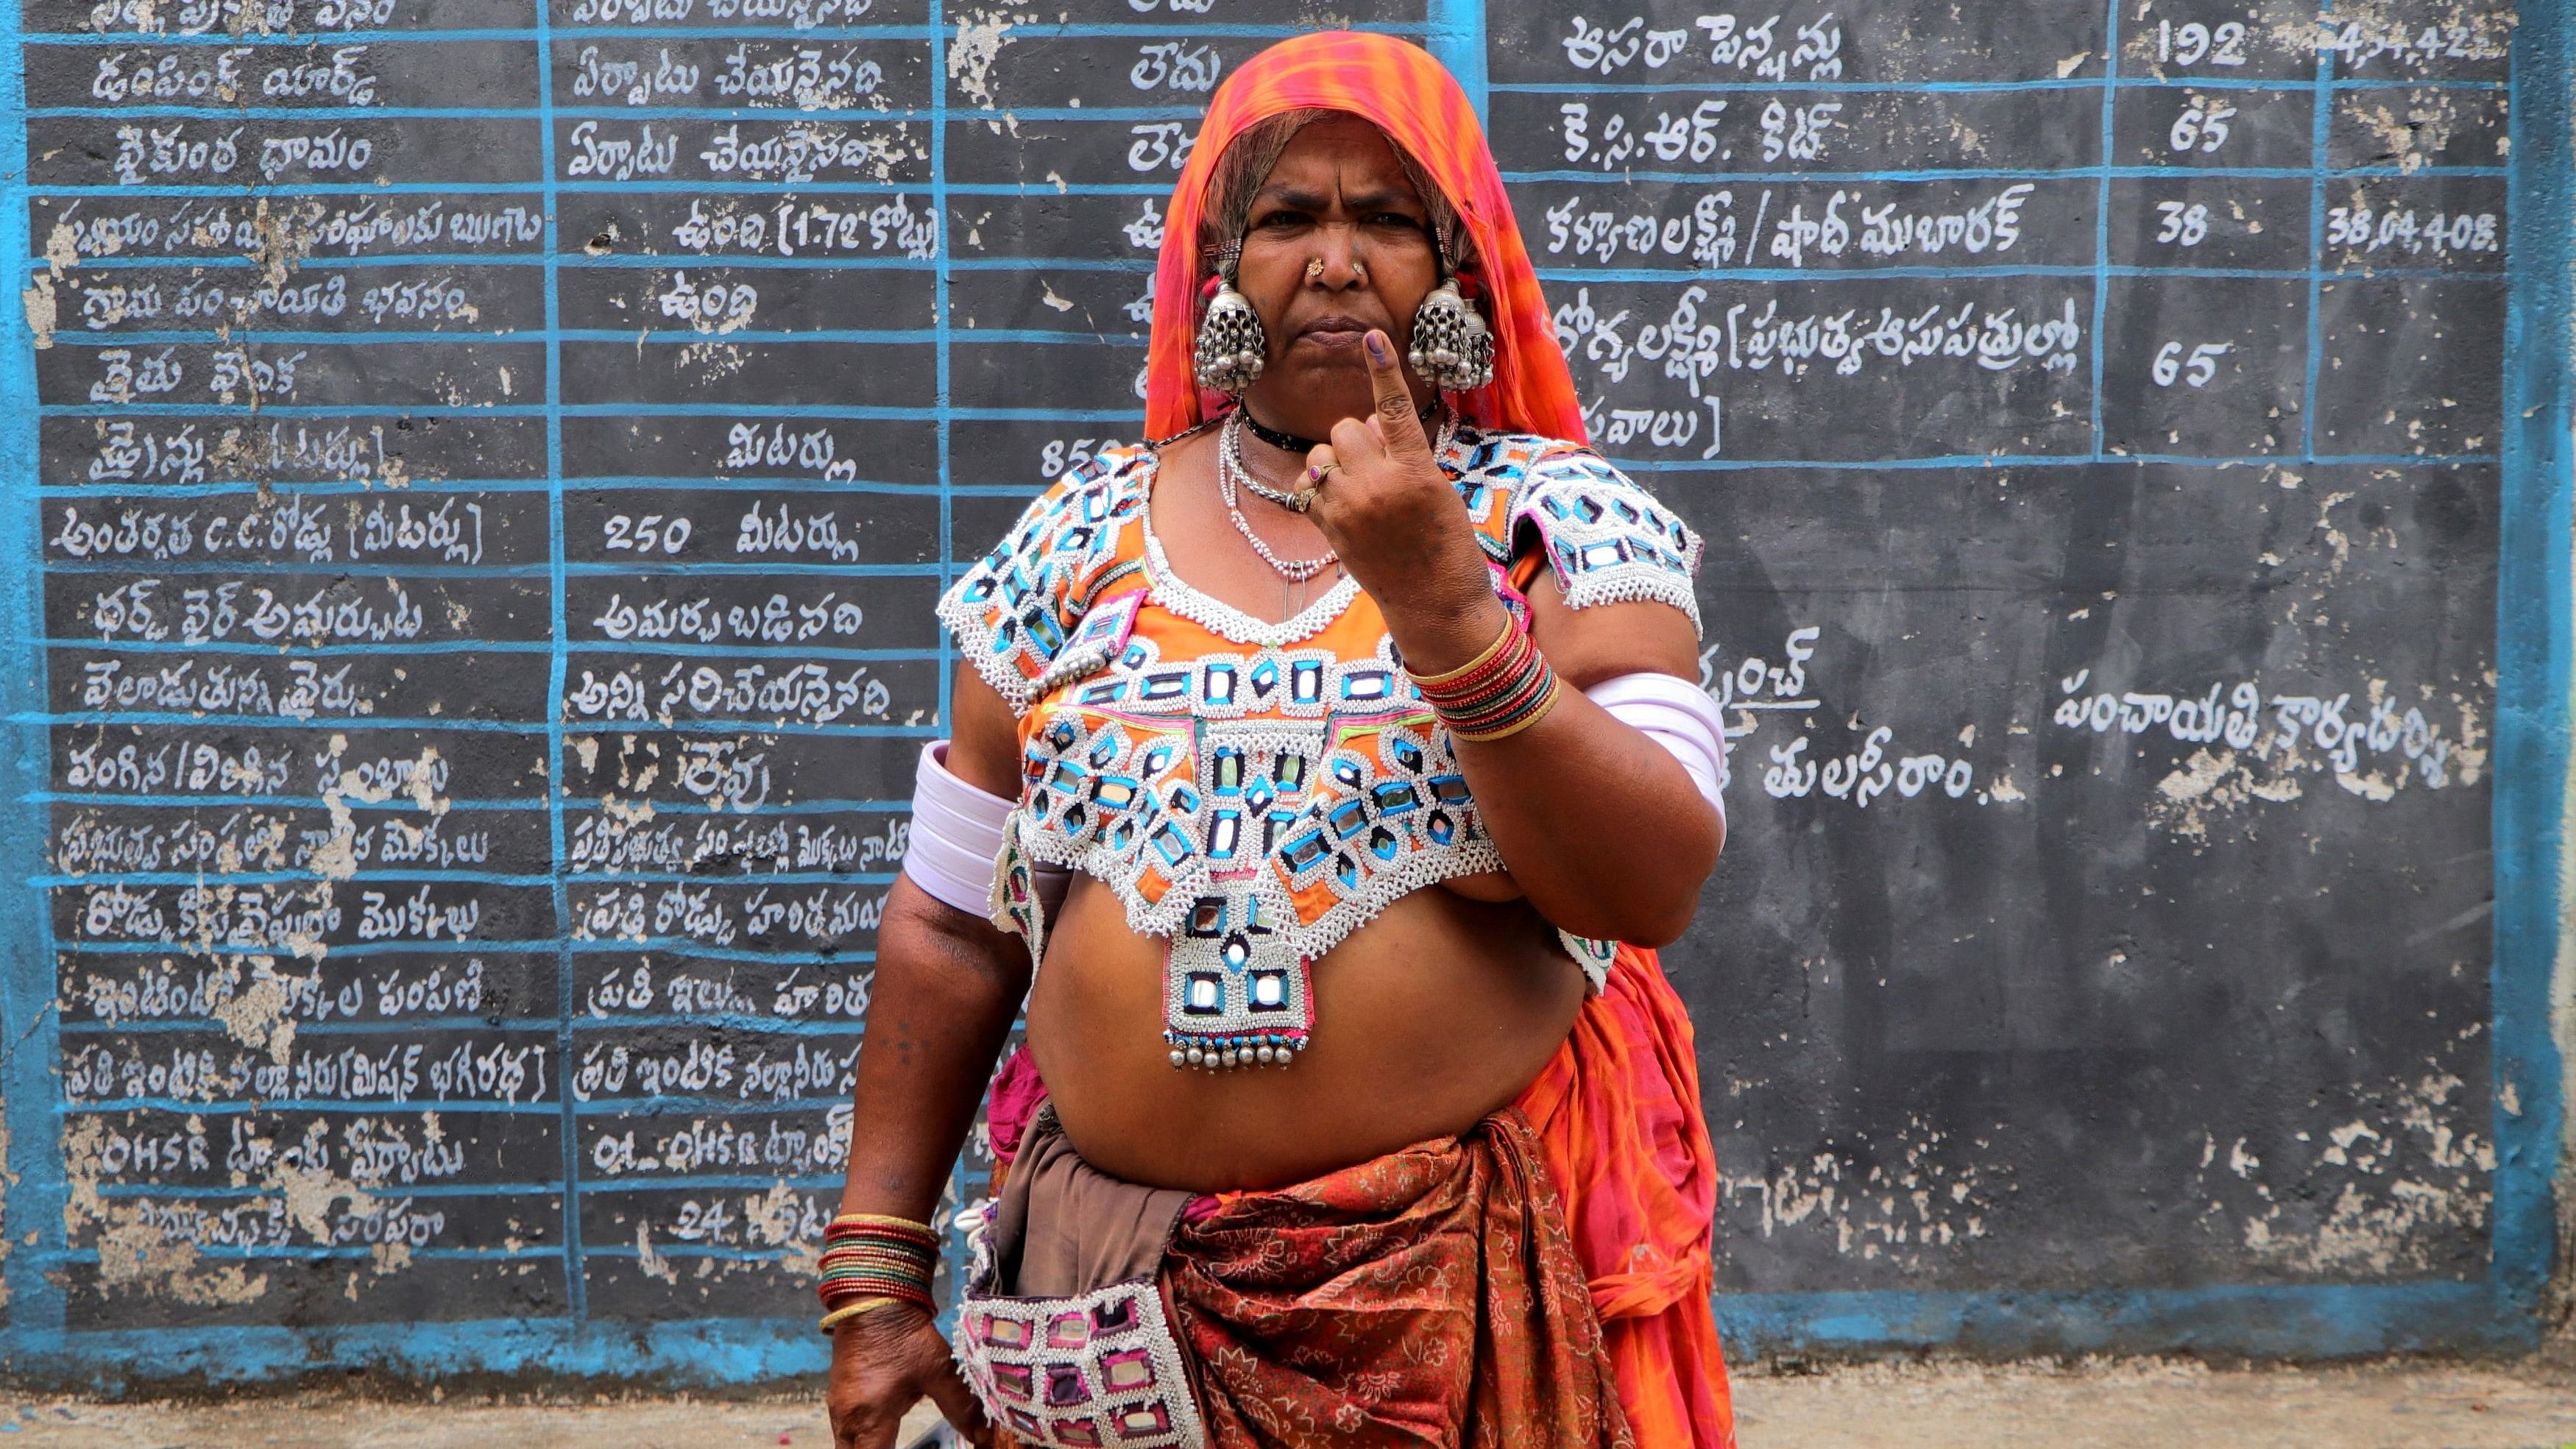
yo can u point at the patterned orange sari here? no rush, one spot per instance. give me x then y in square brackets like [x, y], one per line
[1619, 1124]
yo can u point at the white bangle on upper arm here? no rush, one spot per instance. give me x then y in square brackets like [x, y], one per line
[1675, 714]
[956, 836]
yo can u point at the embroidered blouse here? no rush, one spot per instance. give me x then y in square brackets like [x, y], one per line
[1255, 791]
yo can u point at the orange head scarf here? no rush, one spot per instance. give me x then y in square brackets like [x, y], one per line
[1416, 102]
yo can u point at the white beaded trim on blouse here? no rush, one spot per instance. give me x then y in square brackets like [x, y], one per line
[1217, 616]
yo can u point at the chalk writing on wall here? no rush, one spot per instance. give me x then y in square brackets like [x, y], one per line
[497, 457]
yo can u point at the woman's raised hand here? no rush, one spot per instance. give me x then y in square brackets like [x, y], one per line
[1397, 523]
[883, 1362]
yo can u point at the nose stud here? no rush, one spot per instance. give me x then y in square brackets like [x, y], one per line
[1314, 269]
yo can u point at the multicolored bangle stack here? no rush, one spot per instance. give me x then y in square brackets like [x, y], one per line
[1499, 693]
[870, 1261]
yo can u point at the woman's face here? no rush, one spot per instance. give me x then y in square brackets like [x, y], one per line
[1338, 196]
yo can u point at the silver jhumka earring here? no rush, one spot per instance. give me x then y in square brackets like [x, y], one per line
[1231, 347]
[1452, 348]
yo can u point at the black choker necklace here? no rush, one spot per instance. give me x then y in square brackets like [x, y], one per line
[1285, 442]
[1290, 442]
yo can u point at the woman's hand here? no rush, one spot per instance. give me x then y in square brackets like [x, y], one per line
[1396, 521]
[885, 1361]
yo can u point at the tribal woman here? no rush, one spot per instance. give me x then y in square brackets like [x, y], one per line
[1321, 776]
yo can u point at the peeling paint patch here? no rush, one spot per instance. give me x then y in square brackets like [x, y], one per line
[2206, 782]
[1905, 1206]
[780, 1216]
[144, 1245]
[2386, 1192]
[258, 1015]
[970, 56]
[648, 1262]
[38, 300]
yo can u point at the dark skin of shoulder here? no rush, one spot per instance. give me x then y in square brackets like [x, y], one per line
[1439, 1011]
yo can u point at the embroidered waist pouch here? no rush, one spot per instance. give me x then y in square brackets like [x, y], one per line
[1430, 1297]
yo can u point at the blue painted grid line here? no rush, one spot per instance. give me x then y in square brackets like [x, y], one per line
[643, 35]
[640, 115]
[820, 259]
[576, 1284]
[522, 35]
[545, 946]
[770, 187]
[235, 1107]
[709, 1021]
[1978, 87]
[639, 1183]
[1990, 173]
[2110, 82]
[242, 487]
[2006, 272]
[406, 875]
[2318, 140]
[959, 1185]
[677, 809]
[1573, 270]
[713, 724]
[707, 570]
[281, 1253]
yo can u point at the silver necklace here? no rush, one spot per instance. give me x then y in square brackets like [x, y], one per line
[1230, 470]
[1231, 447]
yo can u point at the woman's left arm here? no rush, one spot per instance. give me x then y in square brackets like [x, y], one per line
[1601, 827]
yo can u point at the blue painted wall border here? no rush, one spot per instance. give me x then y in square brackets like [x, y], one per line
[1457, 39]
[2530, 787]
[32, 1226]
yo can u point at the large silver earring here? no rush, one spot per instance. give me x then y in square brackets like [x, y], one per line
[1451, 347]
[1230, 347]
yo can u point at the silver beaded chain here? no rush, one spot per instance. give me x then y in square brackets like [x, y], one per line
[1231, 446]
[1230, 471]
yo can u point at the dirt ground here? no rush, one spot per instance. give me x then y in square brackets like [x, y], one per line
[2126, 1404]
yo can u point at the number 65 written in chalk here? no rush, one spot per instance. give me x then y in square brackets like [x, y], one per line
[2202, 126]
[2195, 369]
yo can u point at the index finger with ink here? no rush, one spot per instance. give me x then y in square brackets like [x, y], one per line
[1396, 421]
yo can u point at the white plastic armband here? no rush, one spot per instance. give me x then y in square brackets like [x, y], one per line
[1675, 714]
[956, 836]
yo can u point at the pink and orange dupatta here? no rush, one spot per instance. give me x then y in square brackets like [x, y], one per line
[1419, 106]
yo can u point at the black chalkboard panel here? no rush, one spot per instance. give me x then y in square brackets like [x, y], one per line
[489, 465]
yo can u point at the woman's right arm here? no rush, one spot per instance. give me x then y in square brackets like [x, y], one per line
[948, 985]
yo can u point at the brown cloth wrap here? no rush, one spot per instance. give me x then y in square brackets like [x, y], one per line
[1427, 1298]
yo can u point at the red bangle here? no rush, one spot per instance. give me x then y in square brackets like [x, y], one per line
[1501, 692]
[869, 1256]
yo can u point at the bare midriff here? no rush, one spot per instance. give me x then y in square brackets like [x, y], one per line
[1428, 1019]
